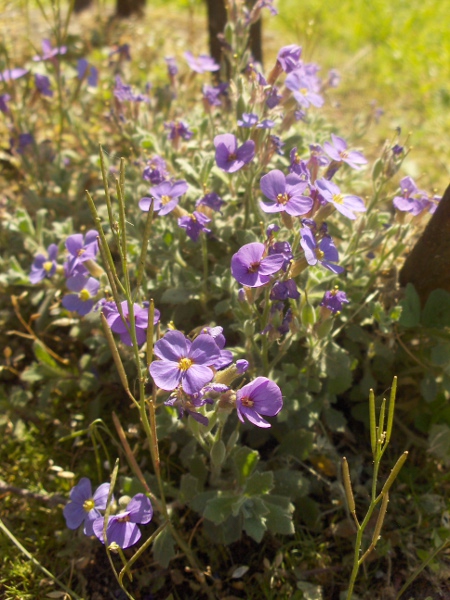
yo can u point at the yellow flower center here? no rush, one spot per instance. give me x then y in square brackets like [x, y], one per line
[319, 254]
[282, 198]
[48, 266]
[165, 199]
[245, 401]
[81, 251]
[123, 519]
[303, 91]
[343, 154]
[338, 198]
[88, 505]
[254, 267]
[84, 295]
[185, 363]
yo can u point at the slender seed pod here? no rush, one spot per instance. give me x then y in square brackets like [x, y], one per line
[115, 353]
[395, 471]
[373, 424]
[390, 419]
[380, 520]
[348, 486]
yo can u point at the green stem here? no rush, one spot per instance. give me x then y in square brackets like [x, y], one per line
[205, 270]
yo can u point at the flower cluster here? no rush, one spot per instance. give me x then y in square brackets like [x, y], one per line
[121, 529]
[414, 200]
[199, 372]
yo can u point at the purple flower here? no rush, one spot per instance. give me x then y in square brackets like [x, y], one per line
[82, 300]
[397, 150]
[226, 357]
[122, 529]
[194, 224]
[273, 97]
[81, 248]
[259, 397]
[266, 124]
[123, 92]
[299, 166]
[165, 196]
[251, 16]
[229, 157]
[334, 299]
[172, 67]
[212, 200]
[289, 57]
[83, 68]
[118, 325]
[344, 204]
[249, 266]
[122, 51]
[242, 365]
[211, 94]
[285, 194]
[324, 253]
[188, 404]
[304, 88]
[48, 52]
[271, 229]
[177, 130]
[84, 506]
[283, 248]
[44, 266]
[12, 74]
[337, 150]
[412, 199]
[334, 78]
[277, 144]
[156, 170]
[42, 83]
[4, 99]
[21, 142]
[184, 362]
[282, 290]
[300, 115]
[202, 63]
[248, 120]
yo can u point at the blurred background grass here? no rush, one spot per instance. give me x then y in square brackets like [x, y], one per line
[393, 56]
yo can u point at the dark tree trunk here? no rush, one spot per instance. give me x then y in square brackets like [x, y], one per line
[126, 8]
[81, 5]
[427, 265]
[217, 18]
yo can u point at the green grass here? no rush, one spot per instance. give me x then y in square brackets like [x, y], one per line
[396, 53]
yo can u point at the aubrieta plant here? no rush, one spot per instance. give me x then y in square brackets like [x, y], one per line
[223, 259]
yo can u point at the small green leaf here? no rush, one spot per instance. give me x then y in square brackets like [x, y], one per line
[259, 483]
[291, 484]
[279, 517]
[218, 453]
[220, 508]
[436, 312]
[42, 355]
[245, 460]
[255, 527]
[164, 548]
[410, 316]
[189, 487]
[298, 443]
